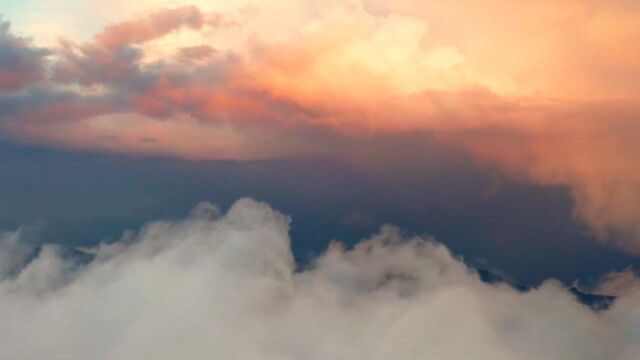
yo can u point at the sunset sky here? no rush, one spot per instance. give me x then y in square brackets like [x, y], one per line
[505, 135]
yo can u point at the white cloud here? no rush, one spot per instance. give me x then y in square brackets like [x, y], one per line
[225, 287]
[13, 251]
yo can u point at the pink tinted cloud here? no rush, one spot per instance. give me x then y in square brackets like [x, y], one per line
[21, 63]
[112, 55]
[150, 27]
[366, 75]
[592, 148]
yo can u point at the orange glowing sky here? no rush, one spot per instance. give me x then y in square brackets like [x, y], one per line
[545, 91]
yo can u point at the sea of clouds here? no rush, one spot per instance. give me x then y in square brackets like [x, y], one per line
[226, 286]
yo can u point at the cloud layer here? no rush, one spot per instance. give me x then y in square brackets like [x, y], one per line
[544, 96]
[226, 287]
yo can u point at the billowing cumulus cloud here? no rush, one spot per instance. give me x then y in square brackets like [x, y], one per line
[543, 95]
[14, 251]
[592, 148]
[226, 287]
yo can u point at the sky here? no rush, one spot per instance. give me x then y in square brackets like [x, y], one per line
[342, 159]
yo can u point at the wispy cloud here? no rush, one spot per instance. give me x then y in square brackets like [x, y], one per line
[21, 63]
